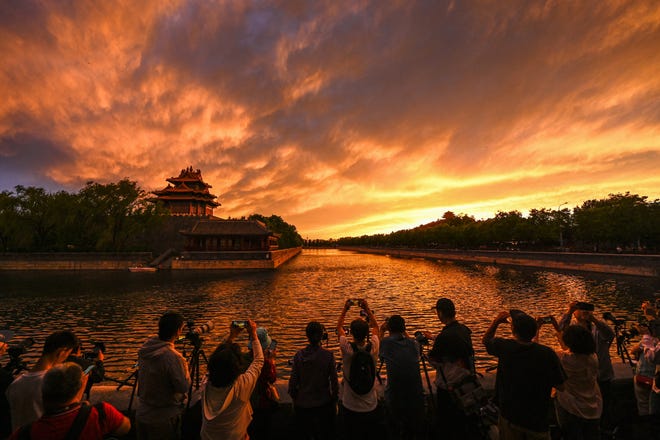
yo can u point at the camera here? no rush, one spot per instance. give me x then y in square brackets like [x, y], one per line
[16, 350]
[421, 338]
[200, 329]
[546, 319]
[355, 302]
[239, 324]
[608, 316]
[194, 333]
[98, 347]
[628, 334]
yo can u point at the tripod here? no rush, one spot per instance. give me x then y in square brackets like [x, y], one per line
[426, 374]
[622, 336]
[130, 381]
[193, 367]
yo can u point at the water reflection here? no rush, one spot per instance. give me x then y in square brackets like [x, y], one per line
[122, 309]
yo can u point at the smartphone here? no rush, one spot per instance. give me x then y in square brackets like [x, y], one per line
[87, 370]
[546, 320]
[239, 324]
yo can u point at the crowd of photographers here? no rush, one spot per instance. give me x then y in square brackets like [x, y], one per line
[238, 396]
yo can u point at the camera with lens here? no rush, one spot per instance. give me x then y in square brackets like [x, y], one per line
[99, 347]
[16, 350]
[628, 333]
[608, 316]
[421, 338]
[194, 334]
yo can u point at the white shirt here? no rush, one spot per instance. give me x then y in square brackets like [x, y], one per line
[351, 400]
[24, 396]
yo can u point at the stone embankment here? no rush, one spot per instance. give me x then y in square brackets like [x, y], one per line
[619, 264]
[73, 260]
[228, 260]
[122, 261]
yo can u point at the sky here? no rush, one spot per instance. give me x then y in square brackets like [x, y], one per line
[342, 117]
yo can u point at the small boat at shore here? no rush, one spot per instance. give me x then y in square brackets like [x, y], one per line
[142, 269]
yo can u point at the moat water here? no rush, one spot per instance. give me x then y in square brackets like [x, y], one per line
[122, 309]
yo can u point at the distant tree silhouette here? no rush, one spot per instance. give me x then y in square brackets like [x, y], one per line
[621, 222]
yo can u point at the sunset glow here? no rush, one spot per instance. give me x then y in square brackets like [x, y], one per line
[343, 117]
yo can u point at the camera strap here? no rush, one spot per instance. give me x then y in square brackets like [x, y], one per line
[79, 422]
[24, 433]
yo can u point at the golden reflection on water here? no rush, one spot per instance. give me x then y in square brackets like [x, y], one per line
[122, 309]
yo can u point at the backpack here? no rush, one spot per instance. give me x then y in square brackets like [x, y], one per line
[363, 370]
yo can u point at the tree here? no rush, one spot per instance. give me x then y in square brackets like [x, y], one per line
[289, 236]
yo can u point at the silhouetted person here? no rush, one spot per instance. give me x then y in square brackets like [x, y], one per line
[314, 387]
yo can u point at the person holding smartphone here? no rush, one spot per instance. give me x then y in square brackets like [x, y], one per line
[226, 408]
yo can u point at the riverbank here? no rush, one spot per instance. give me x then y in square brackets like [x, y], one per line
[65, 261]
[618, 264]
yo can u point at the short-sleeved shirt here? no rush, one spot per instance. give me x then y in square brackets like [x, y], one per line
[313, 381]
[453, 343]
[57, 427]
[603, 341]
[581, 396]
[351, 400]
[24, 396]
[404, 382]
[526, 374]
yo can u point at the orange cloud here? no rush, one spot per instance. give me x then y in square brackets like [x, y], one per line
[342, 117]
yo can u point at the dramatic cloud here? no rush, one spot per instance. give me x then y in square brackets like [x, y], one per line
[343, 117]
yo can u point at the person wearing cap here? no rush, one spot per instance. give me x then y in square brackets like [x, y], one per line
[526, 373]
[452, 356]
[65, 414]
[404, 393]
[582, 313]
[24, 393]
[314, 387]
[265, 396]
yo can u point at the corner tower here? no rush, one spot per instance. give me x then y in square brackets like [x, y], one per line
[187, 195]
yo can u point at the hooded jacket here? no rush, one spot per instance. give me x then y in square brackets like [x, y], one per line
[163, 380]
[227, 411]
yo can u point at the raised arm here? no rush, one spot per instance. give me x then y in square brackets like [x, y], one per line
[604, 329]
[565, 320]
[371, 317]
[342, 317]
[490, 333]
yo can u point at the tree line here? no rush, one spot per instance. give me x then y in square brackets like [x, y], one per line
[619, 223]
[112, 217]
